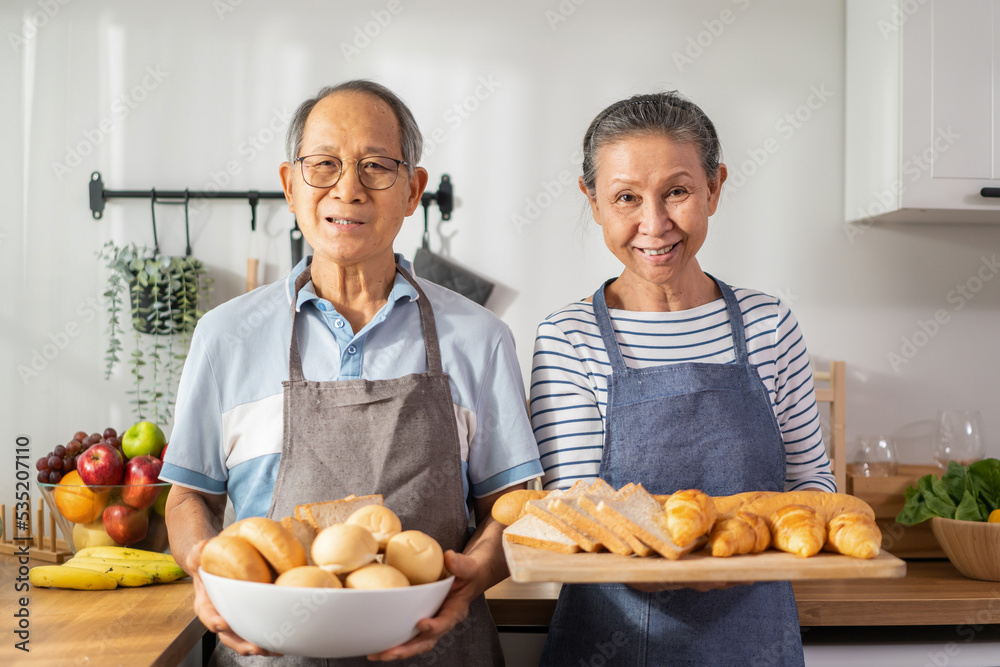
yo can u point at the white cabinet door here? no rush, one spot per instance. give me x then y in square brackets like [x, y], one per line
[950, 129]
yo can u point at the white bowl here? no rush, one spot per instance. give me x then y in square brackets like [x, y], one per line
[323, 622]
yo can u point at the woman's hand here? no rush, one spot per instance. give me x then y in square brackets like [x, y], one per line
[454, 609]
[207, 613]
[701, 586]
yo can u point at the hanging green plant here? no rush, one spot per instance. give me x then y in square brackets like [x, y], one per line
[166, 297]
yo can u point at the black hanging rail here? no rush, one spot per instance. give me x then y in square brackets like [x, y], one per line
[99, 195]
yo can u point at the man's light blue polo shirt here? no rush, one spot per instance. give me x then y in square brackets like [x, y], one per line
[228, 428]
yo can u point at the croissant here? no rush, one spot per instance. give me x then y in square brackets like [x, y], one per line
[690, 514]
[797, 529]
[854, 534]
[743, 533]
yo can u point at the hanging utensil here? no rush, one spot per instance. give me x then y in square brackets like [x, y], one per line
[296, 240]
[253, 252]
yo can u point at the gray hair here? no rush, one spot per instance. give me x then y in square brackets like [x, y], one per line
[668, 113]
[410, 139]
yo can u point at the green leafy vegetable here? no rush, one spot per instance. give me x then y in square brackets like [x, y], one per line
[967, 493]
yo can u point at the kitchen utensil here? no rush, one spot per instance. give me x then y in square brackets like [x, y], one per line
[323, 622]
[973, 547]
[874, 456]
[296, 241]
[959, 437]
[253, 253]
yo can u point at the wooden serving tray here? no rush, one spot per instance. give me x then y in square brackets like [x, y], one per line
[528, 564]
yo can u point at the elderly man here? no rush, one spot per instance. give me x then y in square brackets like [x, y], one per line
[351, 376]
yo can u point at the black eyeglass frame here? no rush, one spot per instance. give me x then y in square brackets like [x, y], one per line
[357, 170]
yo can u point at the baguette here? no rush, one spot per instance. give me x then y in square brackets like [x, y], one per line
[533, 532]
[826, 504]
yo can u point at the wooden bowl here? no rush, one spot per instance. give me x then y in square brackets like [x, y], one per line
[973, 547]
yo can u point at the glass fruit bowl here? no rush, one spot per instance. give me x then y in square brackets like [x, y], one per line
[123, 515]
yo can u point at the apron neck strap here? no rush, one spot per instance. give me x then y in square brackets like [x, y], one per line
[431, 347]
[614, 350]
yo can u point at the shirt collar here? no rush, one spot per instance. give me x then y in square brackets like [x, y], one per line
[401, 288]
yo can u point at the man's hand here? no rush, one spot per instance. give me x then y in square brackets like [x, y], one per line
[207, 613]
[454, 609]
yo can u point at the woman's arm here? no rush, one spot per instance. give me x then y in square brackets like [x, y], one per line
[565, 412]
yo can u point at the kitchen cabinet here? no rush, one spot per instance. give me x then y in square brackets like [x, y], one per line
[922, 121]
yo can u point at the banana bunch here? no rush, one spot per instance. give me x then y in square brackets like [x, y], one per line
[104, 568]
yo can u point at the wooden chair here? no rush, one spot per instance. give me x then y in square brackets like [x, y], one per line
[835, 394]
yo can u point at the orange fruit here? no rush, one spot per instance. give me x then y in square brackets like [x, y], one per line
[994, 516]
[78, 502]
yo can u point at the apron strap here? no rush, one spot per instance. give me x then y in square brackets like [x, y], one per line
[607, 330]
[735, 321]
[614, 350]
[432, 348]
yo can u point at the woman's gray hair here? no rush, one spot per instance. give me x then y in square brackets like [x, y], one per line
[669, 114]
[410, 139]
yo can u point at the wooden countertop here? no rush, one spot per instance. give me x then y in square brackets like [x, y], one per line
[156, 625]
[133, 627]
[932, 593]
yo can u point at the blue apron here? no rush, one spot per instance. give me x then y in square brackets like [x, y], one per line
[683, 426]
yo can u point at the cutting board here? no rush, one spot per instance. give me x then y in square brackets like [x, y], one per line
[529, 564]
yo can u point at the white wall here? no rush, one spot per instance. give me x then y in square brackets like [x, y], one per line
[226, 76]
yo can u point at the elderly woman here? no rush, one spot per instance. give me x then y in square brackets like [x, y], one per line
[670, 377]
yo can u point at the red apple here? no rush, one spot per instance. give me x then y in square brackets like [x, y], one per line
[100, 465]
[141, 473]
[125, 525]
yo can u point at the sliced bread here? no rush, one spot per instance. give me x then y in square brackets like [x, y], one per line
[589, 503]
[644, 517]
[303, 532]
[571, 511]
[324, 514]
[539, 509]
[533, 532]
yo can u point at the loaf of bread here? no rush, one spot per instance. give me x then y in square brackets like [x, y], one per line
[511, 506]
[826, 504]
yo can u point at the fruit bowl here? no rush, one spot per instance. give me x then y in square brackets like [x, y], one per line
[323, 622]
[973, 547]
[124, 515]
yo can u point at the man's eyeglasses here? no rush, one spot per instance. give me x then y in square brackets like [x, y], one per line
[375, 173]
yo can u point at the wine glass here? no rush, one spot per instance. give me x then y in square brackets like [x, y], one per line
[874, 456]
[959, 437]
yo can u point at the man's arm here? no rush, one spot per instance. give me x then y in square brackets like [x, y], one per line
[480, 567]
[193, 518]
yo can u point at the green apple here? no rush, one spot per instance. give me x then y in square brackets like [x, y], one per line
[142, 439]
[91, 535]
[160, 506]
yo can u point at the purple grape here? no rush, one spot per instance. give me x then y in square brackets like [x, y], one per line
[43, 477]
[59, 451]
[55, 462]
[42, 463]
[68, 463]
[110, 433]
[54, 476]
[74, 447]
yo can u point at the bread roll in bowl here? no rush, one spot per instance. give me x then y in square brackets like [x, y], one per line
[417, 555]
[308, 576]
[343, 548]
[376, 575]
[275, 543]
[234, 558]
[381, 521]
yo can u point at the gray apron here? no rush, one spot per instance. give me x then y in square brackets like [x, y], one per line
[396, 437]
[683, 426]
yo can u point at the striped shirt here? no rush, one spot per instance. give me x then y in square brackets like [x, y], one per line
[570, 368]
